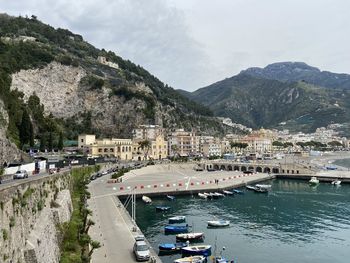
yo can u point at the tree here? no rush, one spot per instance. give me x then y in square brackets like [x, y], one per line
[60, 141]
[335, 144]
[145, 146]
[26, 130]
[43, 142]
[50, 142]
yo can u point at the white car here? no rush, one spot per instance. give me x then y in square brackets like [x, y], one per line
[20, 174]
[141, 250]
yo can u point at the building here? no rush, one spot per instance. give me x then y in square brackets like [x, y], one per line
[211, 149]
[184, 143]
[147, 132]
[156, 149]
[257, 144]
[117, 148]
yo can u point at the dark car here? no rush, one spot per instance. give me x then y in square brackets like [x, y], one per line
[93, 177]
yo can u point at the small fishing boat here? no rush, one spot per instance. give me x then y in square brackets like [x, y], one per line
[175, 229]
[146, 199]
[265, 186]
[193, 259]
[218, 223]
[314, 181]
[336, 182]
[171, 197]
[162, 208]
[222, 260]
[172, 247]
[250, 187]
[203, 250]
[209, 195]
[177, 219]
[227, 192]
[236, 191]
[217, 195]
[260, 190]
[204, 196]
[190, 237]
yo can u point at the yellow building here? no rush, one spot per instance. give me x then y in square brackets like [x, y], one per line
[118, 148]
[157, 150]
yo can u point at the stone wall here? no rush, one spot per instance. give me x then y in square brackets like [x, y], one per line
[29, 215]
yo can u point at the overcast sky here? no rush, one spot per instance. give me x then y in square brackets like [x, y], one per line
[192, 43]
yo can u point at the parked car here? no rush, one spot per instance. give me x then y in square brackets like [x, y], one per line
[141, 250]
[1, 178]
[20, 174]
[93, 177]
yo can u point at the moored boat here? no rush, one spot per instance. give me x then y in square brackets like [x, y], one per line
[265, 186]
[250, 187]
[146, 199]
[171, 197]
[217, 195]
[190, 237]
[218, 223]
[193, 259]
[209, 195]
[175, 229]
[177, 219]
[227, 192]
[162, 208]
[261, 190]
[204, 196]
[203, 250]
[336, 182]
[314, 181]
[172, 247]
[236, 191]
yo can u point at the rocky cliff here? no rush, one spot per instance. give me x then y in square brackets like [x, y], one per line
[8, 150]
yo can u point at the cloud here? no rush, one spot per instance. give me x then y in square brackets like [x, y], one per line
[150, 33]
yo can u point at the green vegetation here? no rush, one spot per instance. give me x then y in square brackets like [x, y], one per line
[240, 145]
[120, 173]
[75, 247]
[5, 234]
[282, 144]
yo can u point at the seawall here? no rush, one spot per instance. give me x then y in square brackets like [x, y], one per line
[30, 213]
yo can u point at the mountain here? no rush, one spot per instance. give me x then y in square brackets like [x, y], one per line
[263, 102]
[54, 85]
[299, 71]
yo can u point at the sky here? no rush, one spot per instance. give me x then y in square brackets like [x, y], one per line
[189, 44]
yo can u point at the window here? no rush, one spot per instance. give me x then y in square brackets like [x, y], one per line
[82, 140]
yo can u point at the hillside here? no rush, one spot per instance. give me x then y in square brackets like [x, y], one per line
[299, 71]
[56, 85]
[261, 102]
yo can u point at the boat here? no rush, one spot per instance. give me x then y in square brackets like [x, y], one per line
[162, 208]
[209, 195]
[175, 229]
[190, 237]
[171, 197]
[250, 187]
[193, 259]
[177, 219]
[204, 196]
[221, 260]
[218, 223]
[260, 190]
[265, 186]
[172, 247]
[217, 195]
[146, 199]
[236, 191]
[227, 192]
[203, 250]
[314, 181]
[336, 182]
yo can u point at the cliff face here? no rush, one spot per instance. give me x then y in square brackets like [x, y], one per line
[8, 150]
[62, 93]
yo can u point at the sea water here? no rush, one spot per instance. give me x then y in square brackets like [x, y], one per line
[292, 223]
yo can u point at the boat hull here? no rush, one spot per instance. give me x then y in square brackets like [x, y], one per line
[192, 237]
[218, 223]
[195, 259]
[174, 220]
[175, 229]
[204, 250]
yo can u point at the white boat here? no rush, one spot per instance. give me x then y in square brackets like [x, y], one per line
[209, 195]
[204, 196]
[177, 219]
[264, 186]
[336, 182]
[250, 187]
[190, 236]
[193, 259]
[314, 181]
[216, 194]
[203, 250]
[227, 192]
[218, 223]
[146, 199]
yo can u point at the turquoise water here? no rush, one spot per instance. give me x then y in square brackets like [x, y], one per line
[293, 223]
